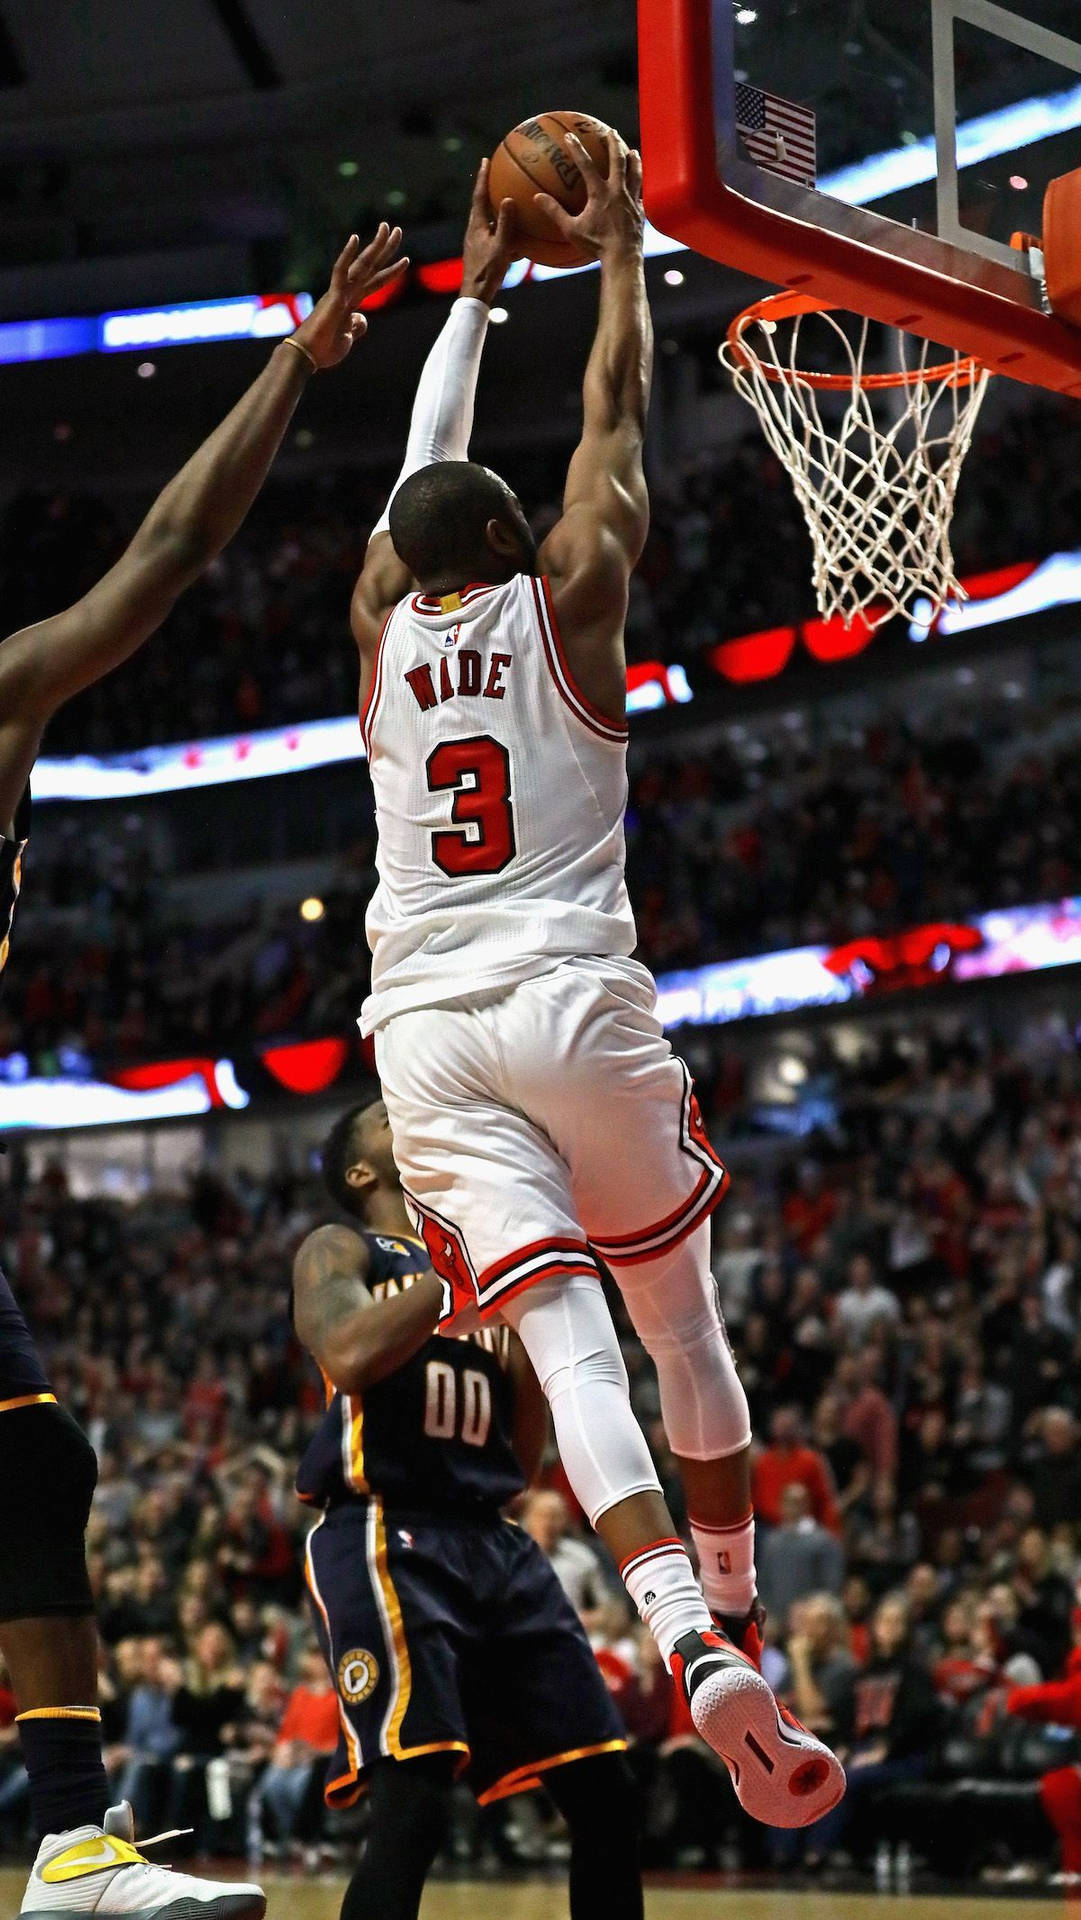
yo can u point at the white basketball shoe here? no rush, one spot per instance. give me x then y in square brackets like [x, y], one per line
[783, 1774]
[99, 1871]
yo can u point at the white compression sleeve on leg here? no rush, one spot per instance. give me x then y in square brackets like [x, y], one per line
[567, 1331]
[677, 1316]
[442, 418]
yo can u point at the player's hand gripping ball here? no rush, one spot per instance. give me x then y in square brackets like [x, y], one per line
[535, 158]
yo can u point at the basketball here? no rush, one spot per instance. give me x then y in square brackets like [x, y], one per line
[535, 158]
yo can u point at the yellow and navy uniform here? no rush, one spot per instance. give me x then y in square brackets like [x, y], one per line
[443, 1624]
[11, 873]
[436, 1434]
[23, 1381]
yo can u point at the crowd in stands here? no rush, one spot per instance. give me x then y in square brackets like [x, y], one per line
[727, 856]
[904, 1299]
[733, 848]
[264, 639]
[903, 1293]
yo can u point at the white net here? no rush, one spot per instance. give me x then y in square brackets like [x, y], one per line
[874, 459]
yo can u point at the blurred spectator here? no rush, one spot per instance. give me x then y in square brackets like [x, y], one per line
[207, 1705]
[797, 1558]
[1058, 1703]
[577, 1564]
[292, 1783]
[869, 1419]
[866, 1309]
[886, 1721]
[819, 1661]
[1055, 1473]
[787, 1462]
[151, 1735]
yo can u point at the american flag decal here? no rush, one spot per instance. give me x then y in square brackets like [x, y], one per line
[778, 134]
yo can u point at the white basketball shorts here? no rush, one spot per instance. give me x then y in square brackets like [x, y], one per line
[540, 1125]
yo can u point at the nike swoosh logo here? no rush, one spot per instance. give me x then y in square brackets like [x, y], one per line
[91, 1857]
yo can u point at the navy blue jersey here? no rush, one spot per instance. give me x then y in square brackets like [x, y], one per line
[11, 873]
[22, 1377]
[432, 1438]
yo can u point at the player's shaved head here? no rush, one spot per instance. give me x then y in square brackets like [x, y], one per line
[456, 522]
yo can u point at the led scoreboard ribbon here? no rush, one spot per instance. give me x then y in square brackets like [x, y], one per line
[260, 316]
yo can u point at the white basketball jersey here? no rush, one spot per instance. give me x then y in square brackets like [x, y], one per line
[500, 794]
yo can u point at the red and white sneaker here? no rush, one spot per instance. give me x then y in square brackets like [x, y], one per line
[745, 1630]
[783, 1775]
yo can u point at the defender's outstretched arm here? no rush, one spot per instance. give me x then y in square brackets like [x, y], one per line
[593, 549]
[442, 418]
[188, 525]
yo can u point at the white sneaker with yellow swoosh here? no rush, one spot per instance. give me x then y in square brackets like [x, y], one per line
[99, 1870]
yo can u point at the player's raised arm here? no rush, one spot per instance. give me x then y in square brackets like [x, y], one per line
[594, 547]
[188, 525]
[355, 1339]
[442, 418]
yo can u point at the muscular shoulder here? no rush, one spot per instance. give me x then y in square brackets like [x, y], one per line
[587, 567]
[382, 583]
[330, 1252]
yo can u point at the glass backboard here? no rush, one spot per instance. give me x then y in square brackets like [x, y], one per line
[879, 156]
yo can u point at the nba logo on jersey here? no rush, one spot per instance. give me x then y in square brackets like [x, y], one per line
[452, 636]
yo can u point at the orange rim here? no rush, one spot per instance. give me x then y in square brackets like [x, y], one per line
[963, 372]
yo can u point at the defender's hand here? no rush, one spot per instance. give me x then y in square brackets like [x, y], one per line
[489, 245]
[612, 219]
[331, 328]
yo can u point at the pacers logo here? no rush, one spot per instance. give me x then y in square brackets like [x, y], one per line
[358, 1674]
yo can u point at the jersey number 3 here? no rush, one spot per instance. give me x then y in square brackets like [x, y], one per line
[477, 772]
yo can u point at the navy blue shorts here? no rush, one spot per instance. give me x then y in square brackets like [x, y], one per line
[22, 1375]
[451, 1638]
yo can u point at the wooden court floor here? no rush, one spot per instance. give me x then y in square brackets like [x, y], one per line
[319, 1898]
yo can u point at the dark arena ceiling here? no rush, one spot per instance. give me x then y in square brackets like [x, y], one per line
[168, 150]
[187, 141]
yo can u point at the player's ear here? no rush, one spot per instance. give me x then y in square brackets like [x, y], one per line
[500, 537]
[361, 1177]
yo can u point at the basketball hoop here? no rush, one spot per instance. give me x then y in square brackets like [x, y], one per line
[877, 484]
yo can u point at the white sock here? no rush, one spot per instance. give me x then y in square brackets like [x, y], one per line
[726, 1564]
[662, 1585]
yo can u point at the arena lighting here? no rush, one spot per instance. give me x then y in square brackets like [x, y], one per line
[912, 164]
[56, 1105]
[265, 316]
[278, 750]
[1013, 941]
[1005, 593]
[307, 1066]
[1050, 583]
[312, 908]
[986, 138]
[1016, 940]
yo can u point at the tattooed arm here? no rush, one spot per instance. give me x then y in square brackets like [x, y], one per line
[355, 1339]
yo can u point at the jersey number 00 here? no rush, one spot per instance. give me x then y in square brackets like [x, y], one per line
[447, 1418]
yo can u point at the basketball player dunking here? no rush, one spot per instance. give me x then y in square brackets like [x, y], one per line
[540, 1118]
[87, 1862]
[450, 1639]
